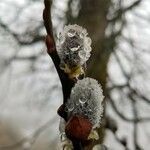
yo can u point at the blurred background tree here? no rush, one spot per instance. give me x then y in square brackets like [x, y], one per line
[30, 90]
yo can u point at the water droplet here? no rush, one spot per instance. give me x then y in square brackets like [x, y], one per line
[81, 35]
[82, 100]
[82, 54]
[89, 41]
[61, 40]
[74, 48]
[77, 102]
[71, 34]
[59, 35]
[95, 108]
[72, 91]
[62, 66]
[88, 49]
[70, 106]
[82, 61]
[66, 52]
[88, 55]
[63, 136]
[66, 109]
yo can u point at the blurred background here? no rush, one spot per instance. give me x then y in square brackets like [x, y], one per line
[30, 90]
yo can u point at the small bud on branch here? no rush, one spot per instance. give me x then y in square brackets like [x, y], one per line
[73, 47]
[84, 108]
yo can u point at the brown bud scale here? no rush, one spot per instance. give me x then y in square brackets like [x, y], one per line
[78, 128]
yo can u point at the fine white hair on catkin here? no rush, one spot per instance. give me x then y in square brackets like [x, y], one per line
[86, 100]
[73, 46]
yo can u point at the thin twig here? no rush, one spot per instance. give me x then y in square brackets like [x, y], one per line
[122, 116]
[66, 82]
[135, 123]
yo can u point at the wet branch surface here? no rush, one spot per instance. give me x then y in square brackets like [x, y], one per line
[66, 82]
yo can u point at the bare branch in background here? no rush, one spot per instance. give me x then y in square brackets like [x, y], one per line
[36, 37]
[122, 11]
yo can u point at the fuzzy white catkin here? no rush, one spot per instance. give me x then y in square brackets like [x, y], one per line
[73, 46]
[86, 100]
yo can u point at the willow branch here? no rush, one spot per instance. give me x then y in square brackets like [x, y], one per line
[66, 82]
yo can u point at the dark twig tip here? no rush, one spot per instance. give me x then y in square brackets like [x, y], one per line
[50, 44]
